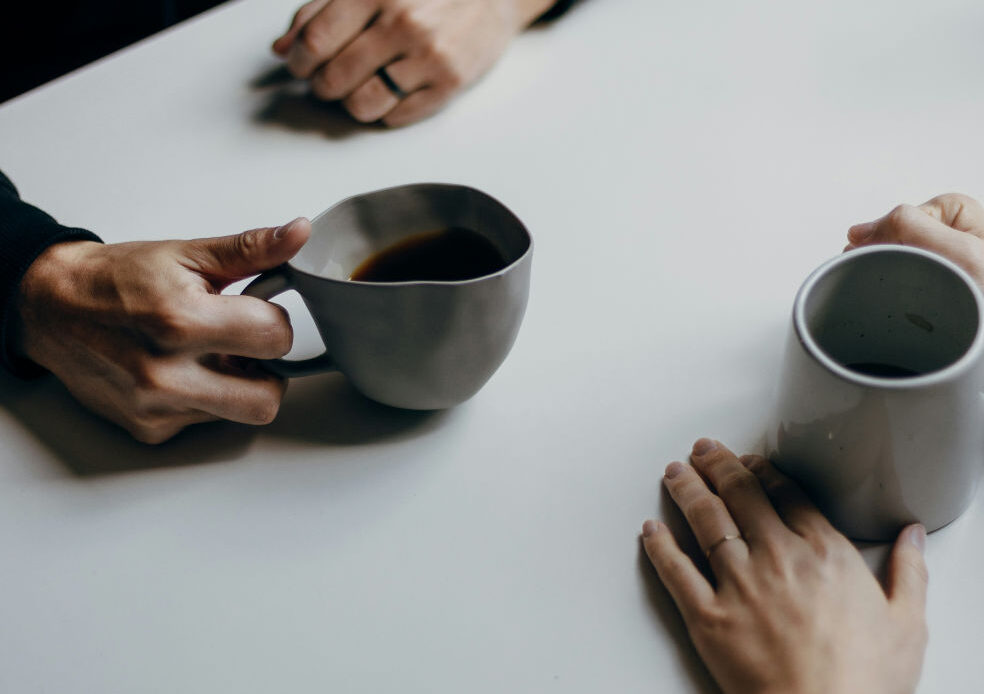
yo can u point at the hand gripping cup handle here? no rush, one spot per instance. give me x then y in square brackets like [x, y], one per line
[266, 286]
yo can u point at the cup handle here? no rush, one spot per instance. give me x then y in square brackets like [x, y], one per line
[266, 286]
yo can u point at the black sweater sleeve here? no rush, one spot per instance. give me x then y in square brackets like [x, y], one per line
[558, 8]
[25, 232]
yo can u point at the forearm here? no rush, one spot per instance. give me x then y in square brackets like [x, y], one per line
[25, 233]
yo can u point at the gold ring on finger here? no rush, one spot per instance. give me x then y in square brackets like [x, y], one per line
[717, 543]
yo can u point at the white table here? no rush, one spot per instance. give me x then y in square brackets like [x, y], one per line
[682, 167]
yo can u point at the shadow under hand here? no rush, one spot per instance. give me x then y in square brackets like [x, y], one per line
[325, 409]
[662, 603]
[290, 105]
[90, 446]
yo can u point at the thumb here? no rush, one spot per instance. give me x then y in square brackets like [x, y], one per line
[908, 576]
[230, 258]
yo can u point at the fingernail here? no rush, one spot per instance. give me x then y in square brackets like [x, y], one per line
[916, 534]
[859, 232]
[281, 231]
[649, 528]
[704, 446]
[673, 469]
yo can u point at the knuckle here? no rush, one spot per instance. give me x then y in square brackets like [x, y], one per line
[273, 329]
[410, 24]
[169, 327]
[901, 215]
[710, 618]
[305, 12]
[361, 108]
[249, 243]
[149, 382]
[151, 436]
[705, 505]
[265, 409]
[312, 37]
[327, 82]
[152, 430]
[774, 485]
[737, 482]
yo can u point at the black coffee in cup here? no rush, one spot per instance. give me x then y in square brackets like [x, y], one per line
[883, 370]
[444, 255]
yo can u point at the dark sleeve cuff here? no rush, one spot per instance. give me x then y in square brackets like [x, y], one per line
[25, 233]
[559, 8]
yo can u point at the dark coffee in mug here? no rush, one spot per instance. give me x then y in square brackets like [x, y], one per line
[443, 255]
[883, 370]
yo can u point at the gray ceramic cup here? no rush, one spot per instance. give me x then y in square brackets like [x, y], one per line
[416, 345]
[879, 410]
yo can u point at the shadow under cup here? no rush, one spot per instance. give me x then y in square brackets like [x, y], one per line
[879, 409]
[419, 345]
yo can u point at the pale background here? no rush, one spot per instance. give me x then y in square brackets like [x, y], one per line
[682, 167]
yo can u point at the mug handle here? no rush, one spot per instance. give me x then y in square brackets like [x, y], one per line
[266, 286]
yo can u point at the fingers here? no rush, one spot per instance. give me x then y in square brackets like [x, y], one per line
[705, 513]
[370, 102]
[374, 100]
[791, 503]
[740, 489]
[229, 258]
[687, 586]
[158, 429]
[911, 226]
[959, 211]
[301, 17]
[417, 106]
[238, 394]
[327, 33]
[908, 576]
[429, 83]
[242, 326]
[357, 62]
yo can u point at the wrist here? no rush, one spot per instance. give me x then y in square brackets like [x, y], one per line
[49, 280]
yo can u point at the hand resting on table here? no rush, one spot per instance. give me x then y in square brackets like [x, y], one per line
[429, 50]
[792, 607]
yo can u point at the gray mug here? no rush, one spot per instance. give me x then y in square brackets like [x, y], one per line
[879, 410]
[419, 345]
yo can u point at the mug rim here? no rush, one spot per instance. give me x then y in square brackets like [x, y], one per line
[422, 283]
[955, 369]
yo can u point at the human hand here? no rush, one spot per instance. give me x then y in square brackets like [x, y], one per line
[793, 608]
[139, 332]
[951, 225]
[430, 49]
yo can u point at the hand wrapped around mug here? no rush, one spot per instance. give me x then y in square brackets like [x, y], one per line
[951, 225]
[139, 332]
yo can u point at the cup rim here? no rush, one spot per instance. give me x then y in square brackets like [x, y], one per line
[423, 283]
[959, 367]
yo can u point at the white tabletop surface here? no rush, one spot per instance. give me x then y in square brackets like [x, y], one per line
[682, 167]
